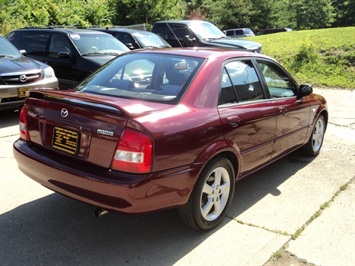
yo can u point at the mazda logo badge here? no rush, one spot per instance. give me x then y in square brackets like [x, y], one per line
[64, 112]
[23, 78]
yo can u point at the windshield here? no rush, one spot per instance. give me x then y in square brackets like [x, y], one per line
[206, 30]
[144, 76]
[7, 49]
[150, 40]
[97, 44]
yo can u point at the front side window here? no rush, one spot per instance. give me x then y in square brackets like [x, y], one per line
[240, 80]
[278, 82]
[151, 77]
[180, 32]
[58, 44]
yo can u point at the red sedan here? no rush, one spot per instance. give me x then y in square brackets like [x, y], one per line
[158, 129]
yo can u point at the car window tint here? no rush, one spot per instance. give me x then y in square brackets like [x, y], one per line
[148, 77]
[245, 80]
[35, 43]
[278, 82]
[227, 94]
[58, 44]
[180, 32]
[126, 39]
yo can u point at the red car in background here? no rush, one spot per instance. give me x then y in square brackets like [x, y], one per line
[172, 128]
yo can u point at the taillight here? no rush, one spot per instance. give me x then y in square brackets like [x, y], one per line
[133, 153]
[23, 125]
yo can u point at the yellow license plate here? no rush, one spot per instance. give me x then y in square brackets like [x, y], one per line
[65, 140]
[22, 92]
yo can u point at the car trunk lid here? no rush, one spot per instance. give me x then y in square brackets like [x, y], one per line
[83, 126]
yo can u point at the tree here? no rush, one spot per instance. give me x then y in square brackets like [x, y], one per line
[344, 13]
[312, 14]
[229, 13]
[148, 11]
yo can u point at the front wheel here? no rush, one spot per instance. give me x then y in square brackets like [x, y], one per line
[315, 142]
[211, 197]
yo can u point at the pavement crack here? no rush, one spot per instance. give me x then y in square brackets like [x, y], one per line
[320, 210]
[279, 232]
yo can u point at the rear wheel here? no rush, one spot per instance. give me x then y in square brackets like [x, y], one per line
[211, 197]
[315, 142]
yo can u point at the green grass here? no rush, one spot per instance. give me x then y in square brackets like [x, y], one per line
[324, 57]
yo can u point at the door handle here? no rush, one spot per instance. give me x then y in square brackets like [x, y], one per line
[283, 109]
[233, 120]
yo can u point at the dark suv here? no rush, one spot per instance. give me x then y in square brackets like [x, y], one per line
[199, 33]
[19, 74]
[73, 53]
[136, 39]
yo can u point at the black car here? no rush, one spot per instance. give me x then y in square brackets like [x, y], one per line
[74, 54]
[19, 74]
[136, 39]
[199, 33]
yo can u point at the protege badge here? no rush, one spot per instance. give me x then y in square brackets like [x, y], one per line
[104, 132]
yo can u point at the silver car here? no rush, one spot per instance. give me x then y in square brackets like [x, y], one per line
[18, 74]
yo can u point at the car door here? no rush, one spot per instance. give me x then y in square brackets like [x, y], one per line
[293, 113]
[60, 54]
[248, 118]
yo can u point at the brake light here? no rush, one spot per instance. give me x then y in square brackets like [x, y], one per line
[133, 153]
[23, 125]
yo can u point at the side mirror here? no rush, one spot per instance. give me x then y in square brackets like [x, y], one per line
[304, 90]
[188, 41]
[64, 55]
[129, 45]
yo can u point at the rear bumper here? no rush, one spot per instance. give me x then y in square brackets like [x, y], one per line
[103, 188]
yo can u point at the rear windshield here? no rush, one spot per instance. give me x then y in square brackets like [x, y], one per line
[144, 76]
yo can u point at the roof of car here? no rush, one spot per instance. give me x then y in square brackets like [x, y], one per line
[124, 30]
[237, 29]
[204, 52]
[65, 30]
[186, 22]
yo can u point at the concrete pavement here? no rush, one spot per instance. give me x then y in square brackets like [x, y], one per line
[310, 198]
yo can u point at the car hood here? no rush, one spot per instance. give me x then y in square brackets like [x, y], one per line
[19, 64]
[235, 42]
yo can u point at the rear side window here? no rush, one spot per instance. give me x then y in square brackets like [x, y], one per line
[240, 83]
[151, 77]
[230, 32]
[35, 43]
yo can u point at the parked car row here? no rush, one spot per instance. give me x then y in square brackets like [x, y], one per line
[74, 54]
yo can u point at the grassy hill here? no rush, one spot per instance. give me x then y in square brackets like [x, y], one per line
[324, 57]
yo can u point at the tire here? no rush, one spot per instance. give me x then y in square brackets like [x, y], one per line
[315, 142]
[211, 197]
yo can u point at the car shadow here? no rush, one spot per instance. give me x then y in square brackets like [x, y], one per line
[61, 231]
[9, 118]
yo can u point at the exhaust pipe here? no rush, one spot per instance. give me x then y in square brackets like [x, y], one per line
[100, 212]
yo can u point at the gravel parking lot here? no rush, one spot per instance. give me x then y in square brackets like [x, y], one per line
[309, 199]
